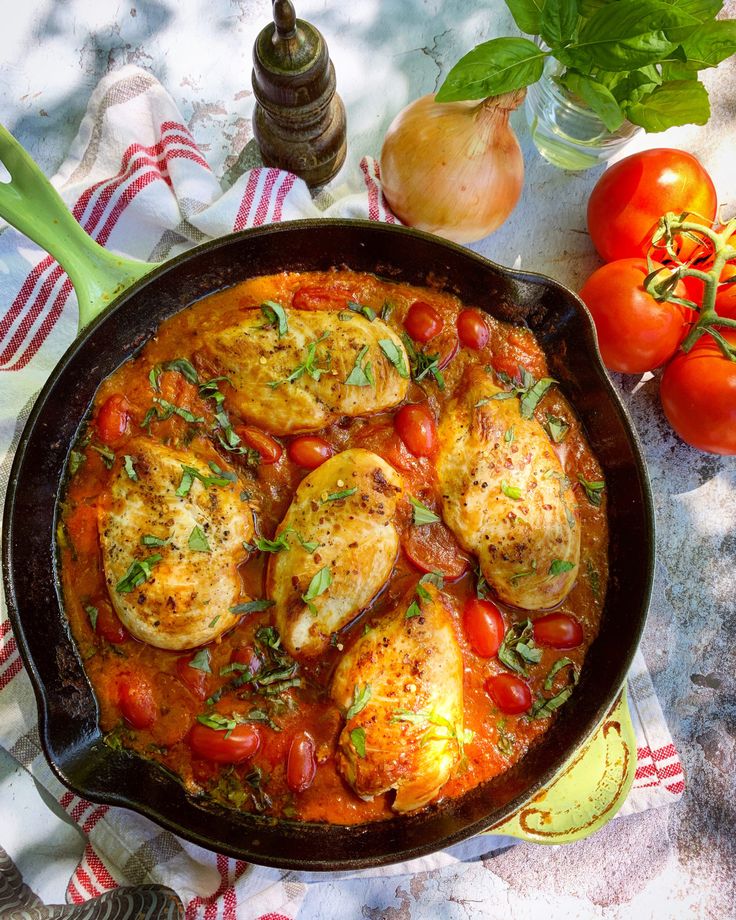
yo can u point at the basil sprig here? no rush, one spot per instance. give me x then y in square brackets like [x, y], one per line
[626, 59]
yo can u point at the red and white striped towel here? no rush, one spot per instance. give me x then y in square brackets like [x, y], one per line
[137, 182]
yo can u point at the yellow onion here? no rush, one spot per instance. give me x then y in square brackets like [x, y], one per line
[453, 168]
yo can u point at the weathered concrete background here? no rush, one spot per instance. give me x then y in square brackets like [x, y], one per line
[667, 863]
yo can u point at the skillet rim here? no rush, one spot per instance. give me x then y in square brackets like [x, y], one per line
[581, 318]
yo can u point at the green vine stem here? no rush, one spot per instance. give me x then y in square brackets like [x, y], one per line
[720, 252]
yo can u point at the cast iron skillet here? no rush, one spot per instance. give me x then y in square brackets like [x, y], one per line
[69, 731]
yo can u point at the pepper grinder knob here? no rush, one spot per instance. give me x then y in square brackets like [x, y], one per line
[299, 120]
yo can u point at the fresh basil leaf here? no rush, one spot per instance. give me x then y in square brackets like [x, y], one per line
[138, 572]
[558, 566]
[422, 514]
[598, 97]
[198, 540]
[710, 44]
[320, 582]
[413, 610]
[201, 661]
[252, 606]
[518, 648]
[360, 701]
[357, 736]
[527, 14]
[695, 13]
[679, 102]
[218, 722]
[586, 8]
[558, 21]
[629, 88]
[275, 316]
[395, 355]
[362, 373]
[534, 394]
[493, 67]
[593, 490]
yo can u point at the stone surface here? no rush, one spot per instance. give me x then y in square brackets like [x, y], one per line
[673, 863]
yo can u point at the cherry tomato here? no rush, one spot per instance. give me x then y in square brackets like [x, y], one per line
[81, 528]
[698, 393]
[113, 418]
[423, 322]
[484, 627]
[301, 765]
[220, 746]
[194, 679]
[136, 700]
[246, 654]
[725, 296]
[433, 548]
[630, 197]
[108, 623]
[383, 440]
[558, 630]
[269, 448]
[309, 451]
[472, 329]
[416, 427]
[318, 297]
[510, 693]
[635, 332]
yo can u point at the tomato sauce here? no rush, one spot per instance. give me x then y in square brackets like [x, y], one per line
[150, 698]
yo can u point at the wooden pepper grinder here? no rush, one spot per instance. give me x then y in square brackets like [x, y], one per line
[299, 120]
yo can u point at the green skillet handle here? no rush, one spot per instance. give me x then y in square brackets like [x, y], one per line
[33, 206]
[589, 789]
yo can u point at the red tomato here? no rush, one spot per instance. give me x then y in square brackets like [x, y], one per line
[698, 393]
[635, 332]
[309, 451]
[432, 548]
[194, 679]
[630, 197]
[246, 655]
[269, 448]
[301, 765]
[317, 297]
[383, 440]
[108, 623]
[423, 322]
[725, 296]
[81, 527]
[484, 627]
[510, 693]
[558, 630]
[136, 700]
[472, 329]
[240, 744]
[113, 418]
[416, 427]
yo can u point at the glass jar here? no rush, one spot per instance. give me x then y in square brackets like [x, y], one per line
[565, 130]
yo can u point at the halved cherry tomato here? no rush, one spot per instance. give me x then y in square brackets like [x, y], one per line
[558, 630]
[108, 623]
[246, 654]
[433, 548]
[136, 700]
[417, 428]
[240, 744]
[195, 679]
[269, 448]
[301, 764]
[510, 693]
[113, 418]
[309, 451]
[318, 297]
[484, 627]
[423, 322]
[472, 329]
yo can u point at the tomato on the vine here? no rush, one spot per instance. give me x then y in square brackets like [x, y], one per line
[725, 296]
[698, 393]
[631, 196]
[636, 333]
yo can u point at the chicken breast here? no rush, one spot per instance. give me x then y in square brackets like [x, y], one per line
[401, 689]
[506, 497]
[342, 544]
[172, 538]
[323, 366]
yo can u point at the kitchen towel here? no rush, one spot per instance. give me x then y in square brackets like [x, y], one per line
[136, 180]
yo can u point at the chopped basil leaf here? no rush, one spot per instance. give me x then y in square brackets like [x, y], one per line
[482, 402]
[201, 661]
[218, 722]
[518, 648]
[543, 708]
[218, 471]
[213, 621]
[276, 316]
[138, 572]
[210, 390]
[183, 367]
[504, 394]
[433, 578]
[511, 491]
[422, 514]
[515, 579]
[481, 585]
[532, 397]
[360, 701]
[171, 409]
[558, 566]
[413, 610]
[336, 496]
[505, 743]
[357, 736]
[320, 582]
[386, 310]
[92, 613]
[129, 468]
[190, 474]
[309, 545]
[148, 539]
[274, 546]
[395, 355]
[558, 428]
[252, 606]
[153, 376]
[369, 313]
[509, 435]
[594, 578]
[308, 366]
[258, 715]
[361, 374]
[198, 541]
[423, 363]
[557, 666]
[593, 490]
[76, 459]
[108, 456]
[422, 592]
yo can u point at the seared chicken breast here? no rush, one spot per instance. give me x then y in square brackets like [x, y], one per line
[321, 366]
[506, 497]
[342, 544]
[172, 537]
[401, 689]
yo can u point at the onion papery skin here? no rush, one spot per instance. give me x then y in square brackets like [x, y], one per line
[454, 168]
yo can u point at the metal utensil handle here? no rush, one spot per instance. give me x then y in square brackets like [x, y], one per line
[33, 206]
